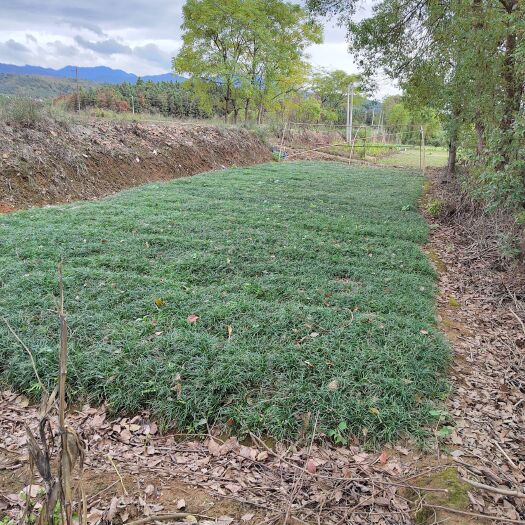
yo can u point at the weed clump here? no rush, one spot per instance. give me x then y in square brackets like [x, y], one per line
[20, 111]
[436, 207]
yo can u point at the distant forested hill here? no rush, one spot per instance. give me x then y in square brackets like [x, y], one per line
[99, 74]
[38, 86]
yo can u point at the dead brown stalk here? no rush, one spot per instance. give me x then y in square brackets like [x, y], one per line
[71, 452]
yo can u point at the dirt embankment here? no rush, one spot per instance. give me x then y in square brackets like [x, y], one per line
[53, 163]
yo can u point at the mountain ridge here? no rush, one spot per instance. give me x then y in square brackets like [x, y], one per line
[97, 74]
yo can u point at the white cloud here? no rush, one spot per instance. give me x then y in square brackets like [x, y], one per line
[141, 39]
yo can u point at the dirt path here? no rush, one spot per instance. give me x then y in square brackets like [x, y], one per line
[480, 308]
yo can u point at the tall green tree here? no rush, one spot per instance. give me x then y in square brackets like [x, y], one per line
[251, 49]
[331, 87]
[464, 58]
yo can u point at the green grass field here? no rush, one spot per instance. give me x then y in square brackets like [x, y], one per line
[311, 287]
[435, 157]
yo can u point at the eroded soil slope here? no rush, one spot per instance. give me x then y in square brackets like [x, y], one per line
[53, 162]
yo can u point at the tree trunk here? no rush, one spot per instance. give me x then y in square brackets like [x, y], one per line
[246, 109]
[513, 86]
[452, 151]
[452, 155]
[227, 99]
[480, 132]
[513, 91]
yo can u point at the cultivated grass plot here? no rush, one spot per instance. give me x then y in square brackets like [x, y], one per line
[312, 292]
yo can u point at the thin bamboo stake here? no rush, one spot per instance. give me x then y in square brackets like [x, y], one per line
[65, 456]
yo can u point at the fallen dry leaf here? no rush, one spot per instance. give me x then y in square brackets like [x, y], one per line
[125, 436]
[310, 466]
[262, 456]
[214, 448]
[33, 490]
[383, 457]
[248, 452]
[333, 385]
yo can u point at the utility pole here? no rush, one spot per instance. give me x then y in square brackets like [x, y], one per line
[422, 151]
[78, 92]
[349, 112]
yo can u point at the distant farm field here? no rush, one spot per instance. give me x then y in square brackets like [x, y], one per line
[261, 298]
[435, 157]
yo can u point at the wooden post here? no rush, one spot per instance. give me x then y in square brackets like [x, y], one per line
[349, 112]
[364, 146]
[422, 150]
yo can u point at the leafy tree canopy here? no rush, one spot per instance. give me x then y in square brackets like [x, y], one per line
[254, 50]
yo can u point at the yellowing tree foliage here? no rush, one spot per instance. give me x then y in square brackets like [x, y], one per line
[246, 52]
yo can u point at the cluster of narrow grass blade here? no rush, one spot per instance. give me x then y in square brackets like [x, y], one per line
[247, 297]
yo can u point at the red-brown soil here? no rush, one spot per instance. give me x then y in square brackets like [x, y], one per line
[53, 163]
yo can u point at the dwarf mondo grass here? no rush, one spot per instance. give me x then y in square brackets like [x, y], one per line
[311, 289]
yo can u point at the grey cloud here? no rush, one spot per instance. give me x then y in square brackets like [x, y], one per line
[152, 53]
[59, 48]
[97, 24]
[13, 45]
[31, 38]
[13, 51]
[109, 46]
[85, 24]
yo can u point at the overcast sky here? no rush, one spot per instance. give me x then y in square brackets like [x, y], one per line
[138, 36]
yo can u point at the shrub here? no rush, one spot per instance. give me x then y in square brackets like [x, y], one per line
[497, 188]
[509, 245]
[436, 207]
[22, 111]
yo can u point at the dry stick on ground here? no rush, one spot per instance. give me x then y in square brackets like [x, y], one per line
[473, 514]
[167, 517]
[518, 318]
[118, 474]
[512, 464]
[497, 490]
